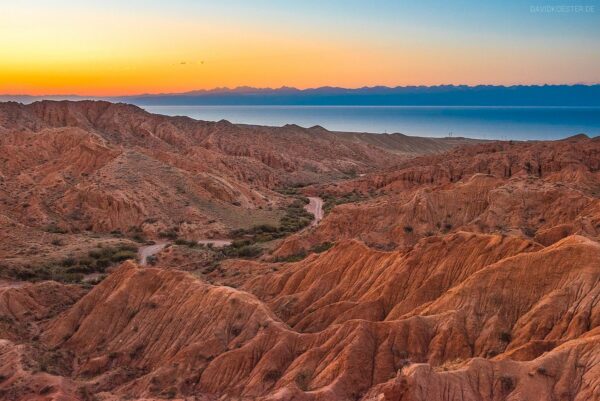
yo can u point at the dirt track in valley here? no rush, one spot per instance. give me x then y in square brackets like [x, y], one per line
[315, 206]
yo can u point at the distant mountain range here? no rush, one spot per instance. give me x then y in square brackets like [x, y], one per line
[443, 95]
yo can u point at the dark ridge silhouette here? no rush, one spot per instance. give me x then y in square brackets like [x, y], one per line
[442, 95]
[445, 95]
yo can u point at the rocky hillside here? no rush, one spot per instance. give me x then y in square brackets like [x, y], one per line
[74, 175]
[468, 275]
[541, 190]
[102, 167]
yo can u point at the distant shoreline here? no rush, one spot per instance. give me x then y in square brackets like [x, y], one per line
[476, 122]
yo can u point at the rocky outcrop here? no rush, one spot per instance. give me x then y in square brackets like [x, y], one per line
[480, 198]
[154, 332]
[23, 306]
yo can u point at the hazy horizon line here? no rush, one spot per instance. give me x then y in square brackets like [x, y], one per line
[218, 89]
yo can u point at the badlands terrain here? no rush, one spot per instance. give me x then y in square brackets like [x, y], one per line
[442, 269]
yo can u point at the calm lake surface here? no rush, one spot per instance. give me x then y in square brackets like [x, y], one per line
[436, 121]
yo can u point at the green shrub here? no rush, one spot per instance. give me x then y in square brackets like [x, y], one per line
[249, 251]
[72, 269]
[330, 201]
[303, 254]
[265, 228]
[65, 277]
[184, 242]
[302, 379]
[95, 253]
[240, 243]
[322, 247]
[138, 237]
[53, 228]
[292, 258]
[507, 383]
[172, 235]
[70, 261]
[102, 264]
[271, 376]
[123, 255]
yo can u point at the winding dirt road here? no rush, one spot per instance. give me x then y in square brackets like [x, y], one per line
[315, 206]
[146, 251]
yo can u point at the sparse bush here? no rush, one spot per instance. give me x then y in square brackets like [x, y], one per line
[138, 238]
[264, 228]
[249, 251]
[408, 229]
[322, 247]
[291, 258]
[184, 242]
[65, 277]
[95, 253]
[235, 331]
[302, 380]
[53, 228]
[151, 305]
[264, 237]
[172, 235]
[507, 383]
[505, 337]
[72, 268]
[330, 201]
[123, 255]
[542, 371]
[170, 393]
[390, 246]
[137, 351]
[68, 262]
[240, 243]
[102, 264]
[272, 375]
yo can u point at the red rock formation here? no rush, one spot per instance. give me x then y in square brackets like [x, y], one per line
[147, 332]
[105, 167]
[472, 275]
[435, 195]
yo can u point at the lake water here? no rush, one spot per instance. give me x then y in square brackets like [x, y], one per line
[437, 121]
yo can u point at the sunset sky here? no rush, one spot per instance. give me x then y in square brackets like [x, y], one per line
[111, 48]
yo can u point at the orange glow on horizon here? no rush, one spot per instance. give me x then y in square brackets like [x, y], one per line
[93, 53]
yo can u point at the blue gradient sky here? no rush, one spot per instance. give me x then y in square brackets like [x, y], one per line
[108, 47]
